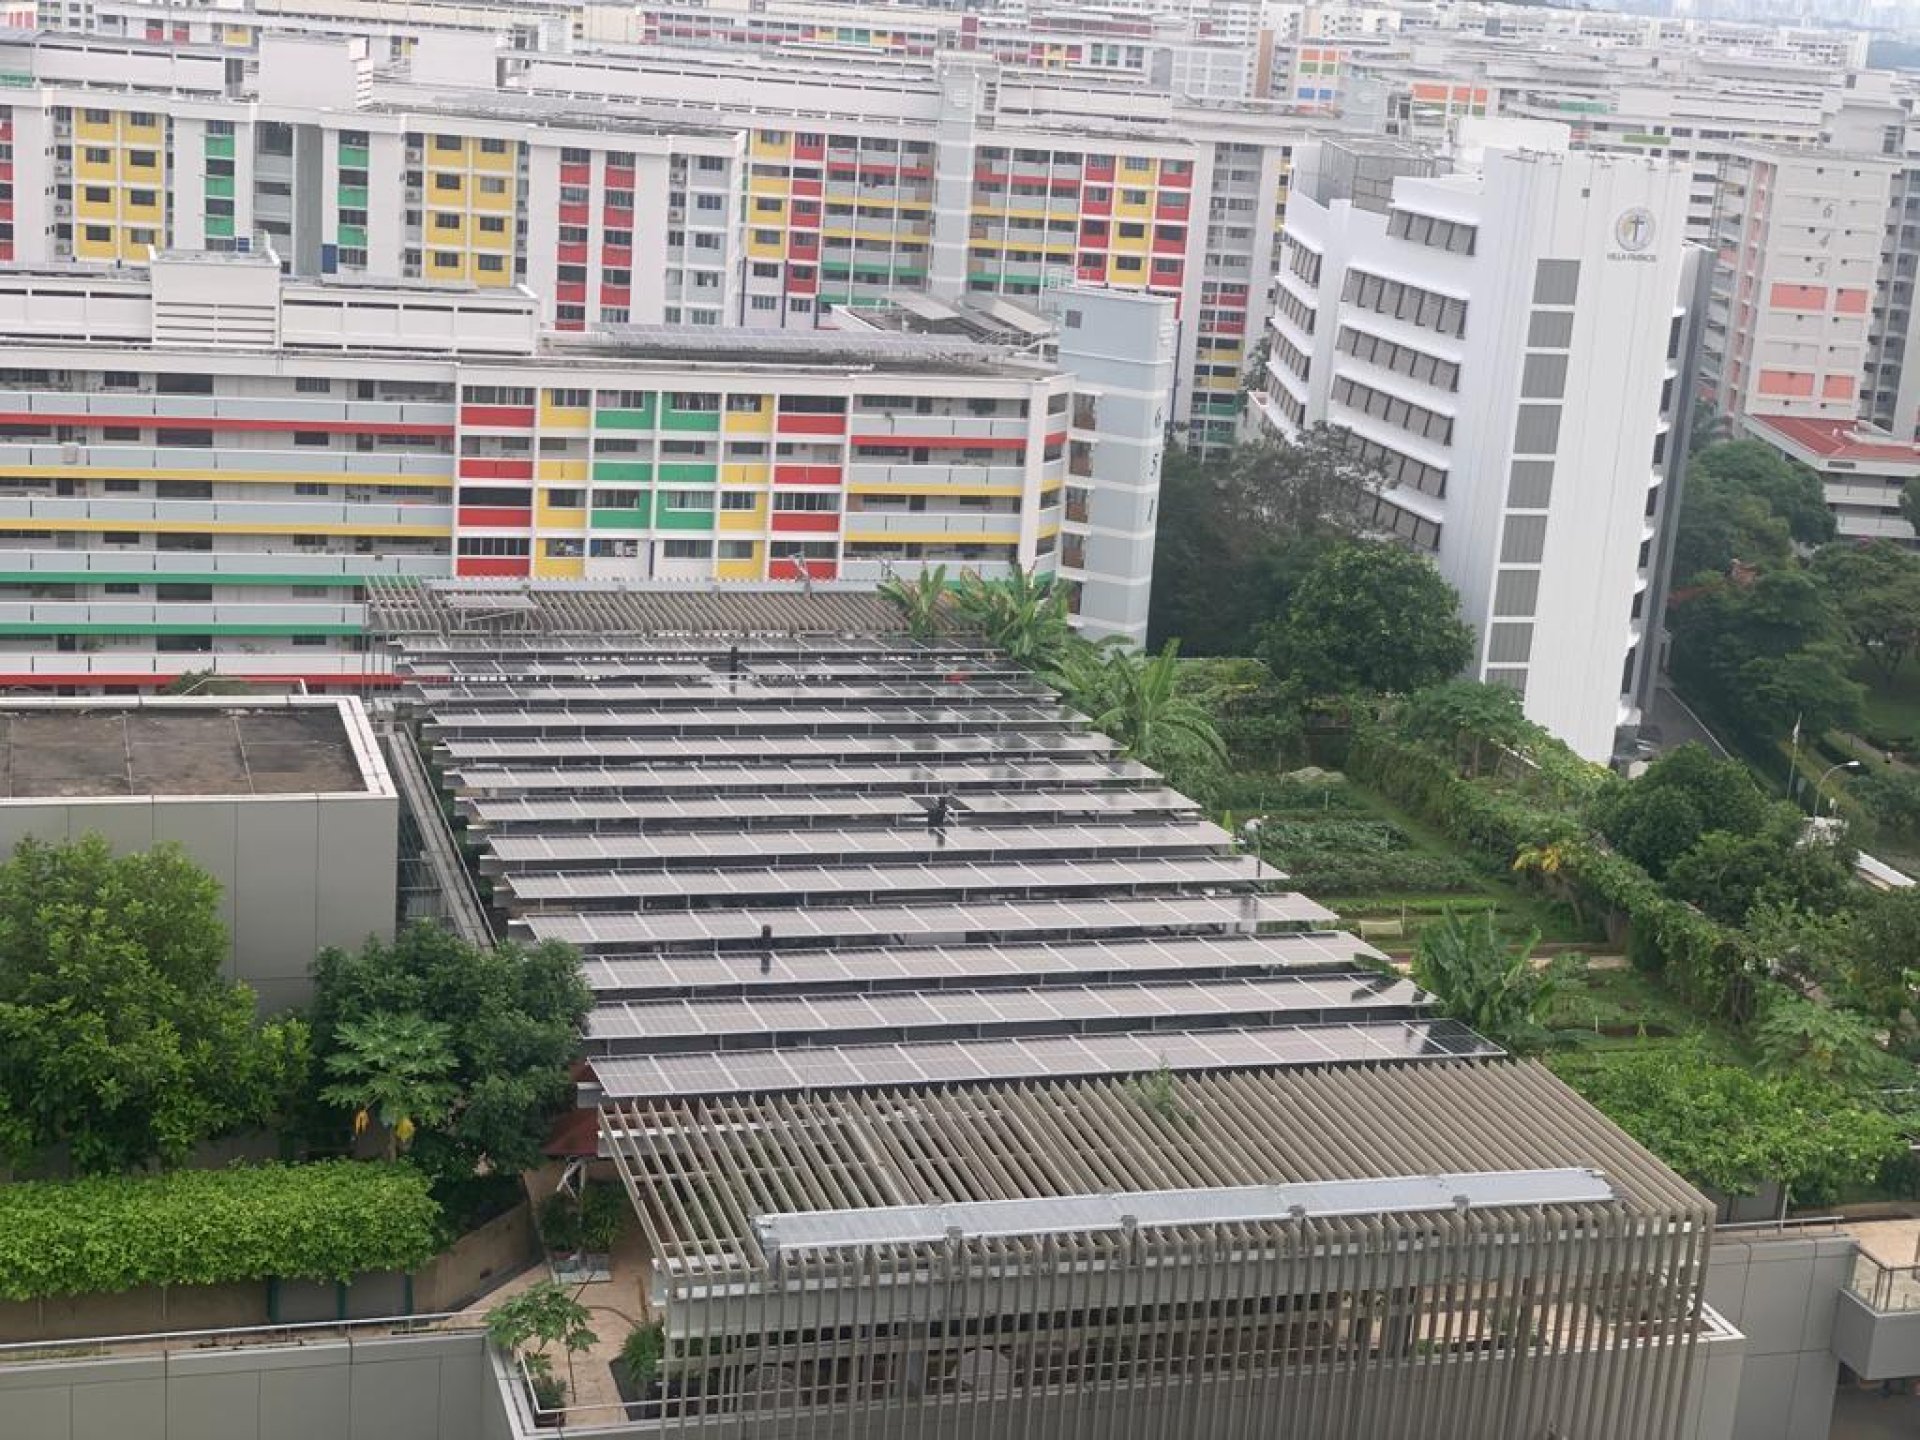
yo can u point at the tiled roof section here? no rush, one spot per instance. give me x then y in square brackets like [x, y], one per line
[1836, 439]
[512, 608]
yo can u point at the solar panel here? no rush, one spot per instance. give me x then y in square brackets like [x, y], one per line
[657, 1077]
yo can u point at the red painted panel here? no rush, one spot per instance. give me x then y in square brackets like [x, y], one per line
[808, 189]
[572, 292]
[571, 174]
[1169, 247]
[788, 568]
[1090, 206]
[191, 422]
[1171, 180]
[617, 255]
[1059, 437]
[572, 254]
[814, 521]
[811, 424]
[574, 214]
[802, 285]
[6, 170]
[499, 417]
[1094, 273]
[495, 517]
[620, 178]
[806, 475]
[810, 150]
[484, 468]
[497, 565]
[616, 294]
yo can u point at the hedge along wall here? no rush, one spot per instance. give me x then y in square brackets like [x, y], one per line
[1709, 964]
[327, 1221]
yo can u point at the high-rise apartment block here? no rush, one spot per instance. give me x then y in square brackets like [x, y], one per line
[207, 464]
[1505, 347]
[653, 187]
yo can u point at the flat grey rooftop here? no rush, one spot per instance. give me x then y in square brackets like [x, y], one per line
[74, 753]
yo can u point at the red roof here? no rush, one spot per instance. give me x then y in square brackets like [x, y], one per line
[1835, 439]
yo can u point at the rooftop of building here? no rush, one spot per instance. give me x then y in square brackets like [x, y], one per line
[957, 354]
[1817, 440]
[180, 746]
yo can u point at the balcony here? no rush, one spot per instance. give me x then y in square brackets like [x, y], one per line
[296, 516]
[196, 462]
[69, 407]
[908, 429]
[986, 527]
[230, 567]
[983, 479]
[1876, 1328]
[102, 617]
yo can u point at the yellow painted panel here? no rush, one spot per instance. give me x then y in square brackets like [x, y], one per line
[492, 278]
[1122, 209]
[769, 185]
[553, 567]
[238, 34]
[767, 250]
[131, 169]
[755, 519]
[495, 164]
[763, 149]
[549, 517]
[479, 199]
[749, 422]
[741, 569]
[555, 417]
[96, 249]
[1128, 244]
[95, 209]
[500, 241]
[97, 132]
[440, 153]
[96, 170]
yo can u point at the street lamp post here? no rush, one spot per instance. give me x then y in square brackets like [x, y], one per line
[1819, 786]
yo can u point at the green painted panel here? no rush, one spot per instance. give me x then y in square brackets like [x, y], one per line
[634, 519]
[696, 474]
[642, 419]
[690, 420]
[219, 225]
[354, 236]
[686, 519]
[353, 157]
[622, 470]
[353, 197]
[220, 186]
[220, 147]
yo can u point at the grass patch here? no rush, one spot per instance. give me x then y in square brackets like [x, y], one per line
[1891, 715]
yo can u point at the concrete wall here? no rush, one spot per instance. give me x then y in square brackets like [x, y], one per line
[1876, 1345]
[1781, 1293]
[423, 1387]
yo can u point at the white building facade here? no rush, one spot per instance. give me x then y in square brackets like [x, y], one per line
[1505, 348]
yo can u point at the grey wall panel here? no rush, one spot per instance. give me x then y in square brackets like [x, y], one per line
[276, 915]
[309, 1401]
[358, 862]
[206, 831]
[396, 1399]
[213, 1406]
[1782, 1293]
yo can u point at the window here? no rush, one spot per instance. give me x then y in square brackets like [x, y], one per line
[493, 147]
[446, 143]
[444, 181]
[97, 195]
[709, 202]
[765, 302]
[141, 159]
[493, 224]
[492, 264]
[446, 220]
[142, 198]
[98, 234]
[687, 549]
[446, 259]
[736, 549]
[739, 500]
[97, 155]
[493, 185]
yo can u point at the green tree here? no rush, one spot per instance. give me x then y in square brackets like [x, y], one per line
[919, 600]
[1024, 614]
[1258, 718]
[1464, 717]
[1726, 874]
[1368, 617]
[1136, 699]
[1682, 795]
[1874, 588]
[1485, 983]
[1790, 490]
[1797, 1036]
[1890, 797]
[1886, 953]
[1766, 651]
[1910, 503]
[119, 1036]
[513, 1016]
[393, 1069]
[1315, 485]
[1795, 943]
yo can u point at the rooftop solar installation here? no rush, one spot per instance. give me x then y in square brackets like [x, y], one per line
[954, 1062]
[935, 967]
[840, 884]
[639, 1027]
[804, 861]
[599, 933]
[523, 854]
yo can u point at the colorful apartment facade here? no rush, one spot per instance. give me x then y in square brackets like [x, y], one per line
[205, 464]
[660, 189]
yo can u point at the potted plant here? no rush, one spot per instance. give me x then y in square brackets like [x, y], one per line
[526, 1325]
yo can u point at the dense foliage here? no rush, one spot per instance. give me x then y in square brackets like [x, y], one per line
[120, 1039]
[1137, 700]
[326, 1221]
[1368, 617]
[510, 1016]
[1725, 1127]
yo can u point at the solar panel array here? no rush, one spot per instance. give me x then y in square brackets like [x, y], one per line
[873, 862]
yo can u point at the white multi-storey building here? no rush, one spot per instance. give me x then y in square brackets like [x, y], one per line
[1505, 346]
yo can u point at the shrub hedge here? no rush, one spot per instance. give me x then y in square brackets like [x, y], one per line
[325, 1221]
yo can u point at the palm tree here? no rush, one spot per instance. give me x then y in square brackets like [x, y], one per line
[1024, 614]
[919, 600]
[1135, 698]
[395, 1069]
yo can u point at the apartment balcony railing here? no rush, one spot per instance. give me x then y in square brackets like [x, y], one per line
[289, 411]
[933, 476]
